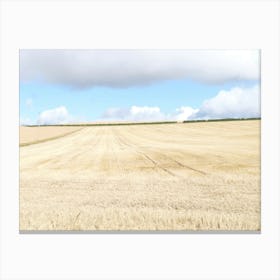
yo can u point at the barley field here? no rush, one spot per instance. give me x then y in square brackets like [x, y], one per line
[34, 135]
[188, 176]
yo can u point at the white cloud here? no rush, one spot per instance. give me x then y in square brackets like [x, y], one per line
[134, 113]
[57, 115]
[146, 113]
[184, 113]
[235, 103]
[124, 68]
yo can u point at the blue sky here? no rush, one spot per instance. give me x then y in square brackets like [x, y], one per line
[134, 93]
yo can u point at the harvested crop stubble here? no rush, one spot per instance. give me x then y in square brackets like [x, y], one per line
[37, 134]
[192, 176]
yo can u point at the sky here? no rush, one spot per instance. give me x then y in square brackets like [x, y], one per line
[73, 86]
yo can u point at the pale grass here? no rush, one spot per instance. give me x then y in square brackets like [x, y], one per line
[32, 135]
[196, 176]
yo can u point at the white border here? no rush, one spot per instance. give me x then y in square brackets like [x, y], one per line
[148, 24]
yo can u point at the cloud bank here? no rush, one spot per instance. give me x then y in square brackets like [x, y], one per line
[125, 68]
[234, 103]
[184, 113]
[57, 115]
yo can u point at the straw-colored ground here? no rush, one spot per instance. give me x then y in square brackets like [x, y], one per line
[32, 135]
[193, 176]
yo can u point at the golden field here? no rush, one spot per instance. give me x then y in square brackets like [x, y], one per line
[188, 176]
[32, 135]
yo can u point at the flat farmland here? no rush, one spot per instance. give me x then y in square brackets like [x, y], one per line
[188, 176]
[38, 134]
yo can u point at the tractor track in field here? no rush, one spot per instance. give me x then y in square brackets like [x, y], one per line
[181, 164]
[134, 148]
[156, 163]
